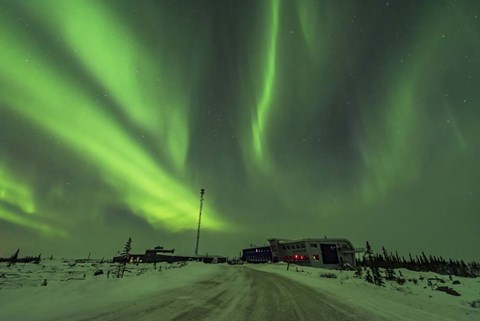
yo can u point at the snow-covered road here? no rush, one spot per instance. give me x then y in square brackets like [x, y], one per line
[198, 291]
[235, 293]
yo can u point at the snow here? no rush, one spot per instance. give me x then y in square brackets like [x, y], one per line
[70, 296]
[394, 301]
[23, 298]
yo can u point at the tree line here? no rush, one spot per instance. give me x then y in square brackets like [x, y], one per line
[15, 259]
[389, 261]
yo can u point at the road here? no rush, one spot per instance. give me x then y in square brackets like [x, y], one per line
[236, 293]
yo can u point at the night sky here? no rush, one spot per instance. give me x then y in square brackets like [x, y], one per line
[356, 119]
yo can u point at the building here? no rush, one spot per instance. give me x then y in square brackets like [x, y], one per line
[257, 254]
[157, 254]
[315, 252]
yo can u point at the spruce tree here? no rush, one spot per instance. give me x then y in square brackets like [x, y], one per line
[13, 259]
[368, 254]
[358, 272]
[390, 274]
[368, 277]
[125, 258]
[377, 277]
[386, 257]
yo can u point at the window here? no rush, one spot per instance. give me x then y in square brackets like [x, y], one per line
[288, 247]
[284, 247]
[302, 245]
[315, 257]
[298, 246]
[313, 245]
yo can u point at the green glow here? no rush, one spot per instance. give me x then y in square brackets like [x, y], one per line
[18, 195]
[396, 140]
[264, 104]
[15, 193]
[390, 155]
[31, 224]
[300, 118]
[313, 22]
[54, 100]
[150, 94]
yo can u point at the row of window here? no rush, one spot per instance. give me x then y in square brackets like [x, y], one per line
[258, 259]
[302, 246]
[294, 246]
[260, 250]
[297, 258]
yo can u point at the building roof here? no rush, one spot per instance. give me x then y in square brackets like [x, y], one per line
[333, 240]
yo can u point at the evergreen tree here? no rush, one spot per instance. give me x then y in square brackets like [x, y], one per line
[368, 256]
[38, 259]
[13, 259]
[390, 274]
[377, 277]
[125, 258]
[397, 258]
[358, 272]
[386, 257]
[368, 277]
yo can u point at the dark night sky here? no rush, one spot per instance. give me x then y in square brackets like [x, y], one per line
[356, 119]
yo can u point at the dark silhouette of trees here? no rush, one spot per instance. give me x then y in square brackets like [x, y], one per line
[421, 263]
[368, 277]
[125, 258]
[373, 275]
[13, 258]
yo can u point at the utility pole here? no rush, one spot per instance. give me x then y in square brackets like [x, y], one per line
[202, 192]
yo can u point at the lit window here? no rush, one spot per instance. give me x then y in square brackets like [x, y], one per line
[315, 257]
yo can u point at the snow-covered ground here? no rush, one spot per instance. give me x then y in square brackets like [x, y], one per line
[200, 291]
[73, 290]
[394, 302]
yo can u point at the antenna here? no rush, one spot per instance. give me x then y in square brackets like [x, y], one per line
[202, 192]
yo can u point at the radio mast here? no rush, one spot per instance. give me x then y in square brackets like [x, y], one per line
[202, 192]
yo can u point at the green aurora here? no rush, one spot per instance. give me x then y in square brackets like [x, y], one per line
[357, 119]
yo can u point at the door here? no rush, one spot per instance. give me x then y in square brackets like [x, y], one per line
[329, 253]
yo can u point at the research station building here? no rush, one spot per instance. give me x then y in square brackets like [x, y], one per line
[315, 252]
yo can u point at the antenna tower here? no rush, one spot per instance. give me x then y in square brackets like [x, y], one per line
[202, 192]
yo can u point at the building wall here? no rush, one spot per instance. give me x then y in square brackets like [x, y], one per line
[257, 254]
[327, 253]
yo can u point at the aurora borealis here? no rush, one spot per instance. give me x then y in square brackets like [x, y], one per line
[357, 119]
